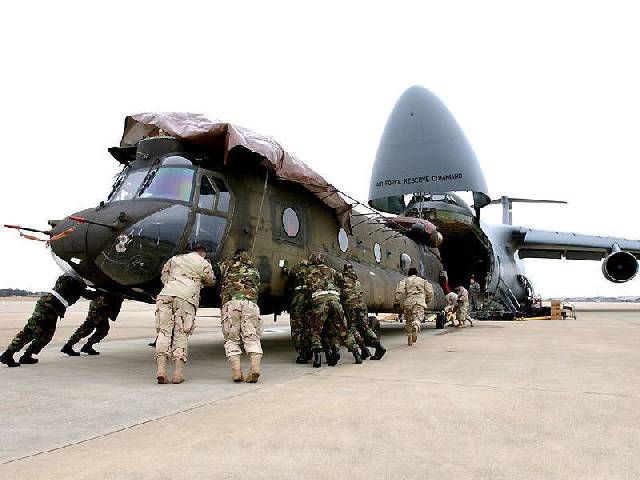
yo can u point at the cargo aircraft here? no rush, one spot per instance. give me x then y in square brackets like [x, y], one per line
[187, 179]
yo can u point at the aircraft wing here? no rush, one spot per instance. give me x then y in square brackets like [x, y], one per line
[572, 246]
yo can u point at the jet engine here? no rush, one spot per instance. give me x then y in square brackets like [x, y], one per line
[619, 266]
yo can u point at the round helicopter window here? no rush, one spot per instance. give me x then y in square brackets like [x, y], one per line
[290, 222]
[377, 252]
[343, 240]
[405, 262]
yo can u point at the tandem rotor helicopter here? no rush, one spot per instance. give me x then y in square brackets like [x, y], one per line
[187, 179]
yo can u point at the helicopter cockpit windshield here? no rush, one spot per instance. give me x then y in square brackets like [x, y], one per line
[171, 180]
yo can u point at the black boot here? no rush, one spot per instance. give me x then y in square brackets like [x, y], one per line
[364, 352]
[356, 357]
[27, 359]
[7, 359]
[153, 344]
[88, 349]
[380, 351]
[332, 359]
[335, 351]
[317, 359]
[302, 359]
[68, 349]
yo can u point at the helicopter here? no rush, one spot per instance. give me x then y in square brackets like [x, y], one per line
[189, 180]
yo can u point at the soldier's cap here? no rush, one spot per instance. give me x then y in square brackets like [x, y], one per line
[304, 263]
[242, 255]
[347, 266]
[316, 258]
[198, 247]
[412, 271]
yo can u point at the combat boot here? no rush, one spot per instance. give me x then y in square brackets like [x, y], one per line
[236, 370]
[317, 359]
[414, 335]
[332, 360]
[177, 371]
[380, 351]
[88, 349]
[68, 349]
[364, 352]
[302, 359]
[161, 375]
[27, 359]
[7, 359]
[409, 339]
[254, 371]
[356, 357]
[335, 350]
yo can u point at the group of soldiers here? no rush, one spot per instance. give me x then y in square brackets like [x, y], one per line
[327, 309]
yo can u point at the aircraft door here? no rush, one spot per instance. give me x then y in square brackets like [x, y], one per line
[211, 213]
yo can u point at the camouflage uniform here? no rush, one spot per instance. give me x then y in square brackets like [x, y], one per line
[322, 282]
[241, 322]
[176, 305]
[452, 299]
[414, 294]
[102, 308]
[474, 295]
[355, 310]
[298, 307]
[41, 325]
[462, 304]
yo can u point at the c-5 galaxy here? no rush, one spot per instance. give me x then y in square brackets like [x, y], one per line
[187, 179]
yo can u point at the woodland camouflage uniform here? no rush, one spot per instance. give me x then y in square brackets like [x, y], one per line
[241, 322]
[298, 307]
[41, 326]
[323, 284]
[474, 295]
[104, 307]
[356, 313]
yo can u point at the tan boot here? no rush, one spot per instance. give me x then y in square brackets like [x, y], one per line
[177, 371]
[254, 373]
[409, 339]
[236, 371]
[161, 375]
[414, 336]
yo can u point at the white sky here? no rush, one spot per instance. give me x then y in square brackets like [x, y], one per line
[547, 93]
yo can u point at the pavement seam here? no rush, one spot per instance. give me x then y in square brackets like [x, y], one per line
[495, 387]
[149, 420]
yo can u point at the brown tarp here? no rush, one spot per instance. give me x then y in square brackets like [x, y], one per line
[198, 129]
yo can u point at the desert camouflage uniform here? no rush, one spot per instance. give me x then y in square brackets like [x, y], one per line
[474, 294]
[298, 308]
[462, 312]
[355, 310]
[241, 322]
[322, 282]
[176, 305]
[414, 294]
[452, 299]
[102, 308]
[41, 325]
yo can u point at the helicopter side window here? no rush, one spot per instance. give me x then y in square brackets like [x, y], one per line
[343, 240]
[223, 196]
[207, 194]
[127, 185]
[405, 262]
[169, 184]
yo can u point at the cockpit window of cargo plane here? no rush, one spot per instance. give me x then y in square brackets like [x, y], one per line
[169, 183]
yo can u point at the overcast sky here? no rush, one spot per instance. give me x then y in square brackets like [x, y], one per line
[546, 92]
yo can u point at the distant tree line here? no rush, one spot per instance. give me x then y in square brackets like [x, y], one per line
[16, 292]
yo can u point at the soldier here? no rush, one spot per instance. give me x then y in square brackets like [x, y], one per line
[298, 307]
[241, 322]
[474, 294]
[322, 282]
[413, 294]
[102, 308]
[355, 311]
[461, 308]
[41, 326]
[176, 305]
[452, 298]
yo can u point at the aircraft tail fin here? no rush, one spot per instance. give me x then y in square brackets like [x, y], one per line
[507, 206]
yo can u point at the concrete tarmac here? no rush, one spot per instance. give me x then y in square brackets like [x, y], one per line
[503, 400]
